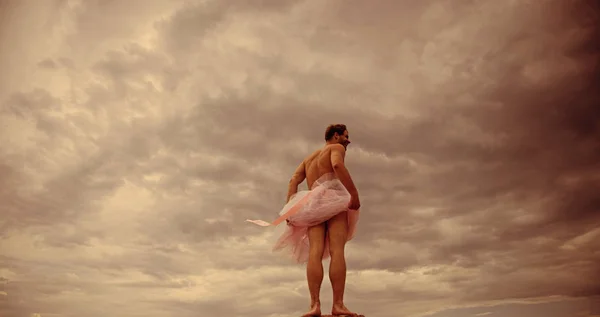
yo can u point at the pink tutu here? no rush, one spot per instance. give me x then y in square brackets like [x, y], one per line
[327, 198]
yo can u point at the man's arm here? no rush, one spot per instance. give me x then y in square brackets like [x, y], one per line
[297, 179]
[338, 153]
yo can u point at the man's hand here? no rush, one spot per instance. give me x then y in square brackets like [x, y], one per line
[354, 202]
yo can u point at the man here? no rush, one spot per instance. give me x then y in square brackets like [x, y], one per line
[325, 215]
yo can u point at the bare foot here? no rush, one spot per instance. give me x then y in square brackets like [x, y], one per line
[315, 310]
[341, 310]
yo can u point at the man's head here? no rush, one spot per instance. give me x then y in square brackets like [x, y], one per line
[337, 133]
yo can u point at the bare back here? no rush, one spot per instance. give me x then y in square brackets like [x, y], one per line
[318, 164]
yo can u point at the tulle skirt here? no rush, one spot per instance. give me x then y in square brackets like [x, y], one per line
[327, 198]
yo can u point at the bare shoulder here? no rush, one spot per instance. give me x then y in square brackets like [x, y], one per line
[337, 154]
[312, 156]
[337, 148]
[315, 153]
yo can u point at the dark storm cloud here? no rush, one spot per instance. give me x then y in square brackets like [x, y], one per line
[512, 141]
[193, 20]
[61, 198]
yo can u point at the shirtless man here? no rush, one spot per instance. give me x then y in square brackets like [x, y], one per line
[327, 160]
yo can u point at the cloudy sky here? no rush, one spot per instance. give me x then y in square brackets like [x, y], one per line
[137, 136]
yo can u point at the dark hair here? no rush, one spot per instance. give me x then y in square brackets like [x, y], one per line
[332, 129]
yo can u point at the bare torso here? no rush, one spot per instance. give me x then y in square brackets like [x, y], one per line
[318, 164]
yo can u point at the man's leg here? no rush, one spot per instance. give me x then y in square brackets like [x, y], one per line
[314, 267]
[337, 229]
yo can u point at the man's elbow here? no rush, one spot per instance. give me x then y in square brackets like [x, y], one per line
[294, 181]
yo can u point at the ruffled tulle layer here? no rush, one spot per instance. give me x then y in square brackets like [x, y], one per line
[327, 198]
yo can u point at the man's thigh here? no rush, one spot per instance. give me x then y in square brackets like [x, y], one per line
[337, 228]
[316, 235]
